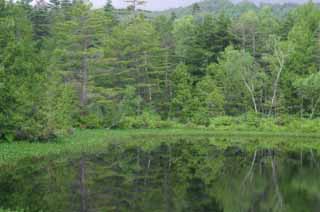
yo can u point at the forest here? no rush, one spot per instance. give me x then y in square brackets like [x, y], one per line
[65, 65]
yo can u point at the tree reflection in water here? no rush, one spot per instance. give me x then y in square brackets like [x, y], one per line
[169, 175]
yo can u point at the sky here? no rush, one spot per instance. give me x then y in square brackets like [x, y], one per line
[166, 4]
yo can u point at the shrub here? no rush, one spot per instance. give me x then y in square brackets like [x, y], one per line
[146, 120]
[90, 121]
[251, 120]
[201, 118]
[223, 121]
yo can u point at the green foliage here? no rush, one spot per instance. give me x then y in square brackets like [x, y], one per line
[211, 96]
[146, 120]
[65, 65]
[182, 99]
[254, 122]
[34, 104]
[199, 42]
[308, 90]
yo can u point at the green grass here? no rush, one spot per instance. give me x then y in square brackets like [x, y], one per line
[8, 210]
[88, 141]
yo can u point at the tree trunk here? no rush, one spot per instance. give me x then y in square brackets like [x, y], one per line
[280, 57]
[147, 81]
[275, 88]
[84, 80]
[251, 91]
[314, 107]
[254, 44]
[83, 190]
[84, 71]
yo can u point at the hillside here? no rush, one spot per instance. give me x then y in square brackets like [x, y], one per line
[233, 9]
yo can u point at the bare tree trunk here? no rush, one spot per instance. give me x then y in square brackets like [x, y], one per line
[280, 57]
[251, 91]
[301, 158]
[147, 81]
[254, 103]
[275, 88]
[84, 71]
[254, 44]
[84, 82]
[314, 107]
[301, 108]
[243, 38]
[150, 93]
[313, 160]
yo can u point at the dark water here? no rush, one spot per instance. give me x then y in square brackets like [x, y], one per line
[180, 175]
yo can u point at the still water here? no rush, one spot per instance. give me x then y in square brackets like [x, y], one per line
[176, 174]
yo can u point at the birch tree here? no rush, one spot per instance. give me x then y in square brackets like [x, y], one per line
[239, 66]
[276, 61]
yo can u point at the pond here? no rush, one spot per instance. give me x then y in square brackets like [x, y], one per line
[171, 174]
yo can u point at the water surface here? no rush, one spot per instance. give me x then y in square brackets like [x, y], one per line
[176, 174]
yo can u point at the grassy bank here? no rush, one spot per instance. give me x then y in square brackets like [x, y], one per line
[86, 141]
[246, 122]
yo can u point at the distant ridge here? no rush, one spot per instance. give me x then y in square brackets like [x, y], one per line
[228, 7]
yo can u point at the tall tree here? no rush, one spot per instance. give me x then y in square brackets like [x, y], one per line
[199, 42]
[276, 61]
[78, 42]
[308, 91]
[136, 58]
[26, 110]
[110, 11]
[55, 4]
[40, 21]
[182, 100]
[245, 29]
[240, 67]
[195, 9]
[134, 4]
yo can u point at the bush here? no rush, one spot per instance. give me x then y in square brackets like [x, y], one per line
[283, 120]
[251, 120]
[304, 125]
[268, 124]
[223, 121]
[145, 121]
[90, 121]
[201, 118]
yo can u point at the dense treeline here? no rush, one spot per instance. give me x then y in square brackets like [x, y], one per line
[64, 64]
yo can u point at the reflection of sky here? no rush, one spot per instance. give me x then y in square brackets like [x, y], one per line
[165, 4]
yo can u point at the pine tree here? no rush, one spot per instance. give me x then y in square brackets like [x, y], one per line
[24, 91]
[136, 58]
[110, 12]
[40, 21]
[182, 98]
[65, 3]
[108, 8]
[55, 4]
[78, 49]
[195, 9]
[134, 4]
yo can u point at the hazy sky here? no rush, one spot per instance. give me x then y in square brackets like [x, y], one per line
[165, 4]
